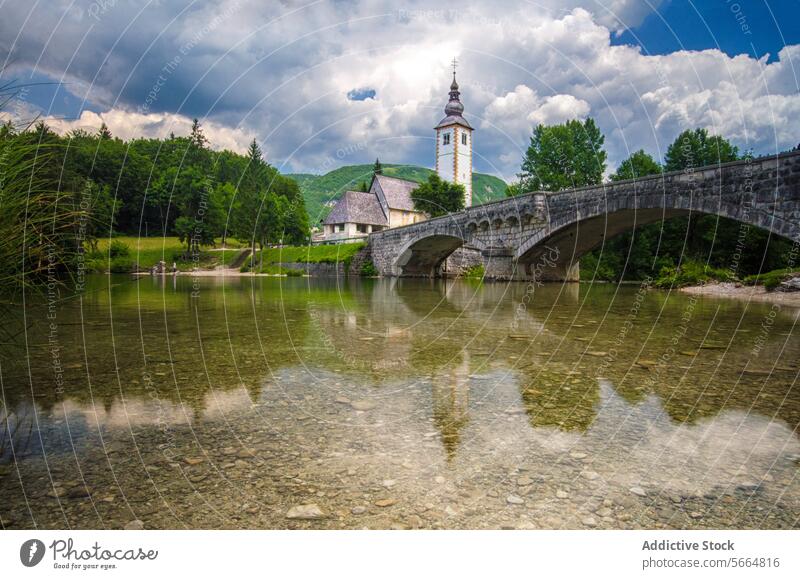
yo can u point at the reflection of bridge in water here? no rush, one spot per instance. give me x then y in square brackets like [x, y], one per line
[543, 235]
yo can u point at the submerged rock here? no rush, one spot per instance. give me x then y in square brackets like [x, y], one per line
[790, 285]
[363, 405]
[305, 512]
[385, 502]
[134, 525]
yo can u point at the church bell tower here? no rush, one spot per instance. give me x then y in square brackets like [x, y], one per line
[454, 143]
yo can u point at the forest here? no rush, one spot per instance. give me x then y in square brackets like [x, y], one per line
[63, 193]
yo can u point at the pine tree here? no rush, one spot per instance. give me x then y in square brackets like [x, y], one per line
[104, 133]
[378, 168]
[197, 138]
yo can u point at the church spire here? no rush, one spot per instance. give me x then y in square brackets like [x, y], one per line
[454, 106]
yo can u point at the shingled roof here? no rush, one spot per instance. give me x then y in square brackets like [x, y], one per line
[357, 207]
[397, 192]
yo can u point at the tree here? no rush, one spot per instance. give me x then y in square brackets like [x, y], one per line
[197, 138]
[638, 165]
[513, 189]
[252, 185]
[696, 148]
[563, 156]
[103, 133]
[438, 197]
[377, 169]
[96, 212]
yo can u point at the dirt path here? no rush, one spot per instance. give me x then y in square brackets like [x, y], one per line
[237, 263]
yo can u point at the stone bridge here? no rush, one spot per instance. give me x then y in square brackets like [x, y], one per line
[543, 235]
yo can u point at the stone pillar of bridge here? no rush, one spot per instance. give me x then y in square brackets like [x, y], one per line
[499, 263]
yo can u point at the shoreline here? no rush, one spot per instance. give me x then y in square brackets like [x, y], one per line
[753, 293]
[222, 272]
[723, 290]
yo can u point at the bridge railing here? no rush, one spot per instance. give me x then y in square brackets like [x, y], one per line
[664, 177]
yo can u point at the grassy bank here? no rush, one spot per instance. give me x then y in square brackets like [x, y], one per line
[772, 279]
[692, 273]
[123, 254]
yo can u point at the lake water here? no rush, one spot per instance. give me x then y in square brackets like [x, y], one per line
[214, 403]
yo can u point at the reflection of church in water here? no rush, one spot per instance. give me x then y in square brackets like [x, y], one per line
[450, 398]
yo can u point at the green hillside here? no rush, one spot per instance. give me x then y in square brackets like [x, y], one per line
[320, 189]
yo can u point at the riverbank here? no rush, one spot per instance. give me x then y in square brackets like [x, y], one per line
[755, 293]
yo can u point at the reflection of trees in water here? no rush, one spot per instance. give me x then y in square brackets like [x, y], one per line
[553, 397]
[16, 431]
[162, 346]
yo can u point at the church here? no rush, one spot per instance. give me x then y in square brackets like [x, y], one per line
[388, 202]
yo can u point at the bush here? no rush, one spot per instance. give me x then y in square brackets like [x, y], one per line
[118, 249]
[294, 272]
[594, 269]
[94, 264]
[690, 273]
[121, 264]
[368, 269]
[474, 272]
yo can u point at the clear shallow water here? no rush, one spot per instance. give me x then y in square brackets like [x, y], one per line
[398, 404]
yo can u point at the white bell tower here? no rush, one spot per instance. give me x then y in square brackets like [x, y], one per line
[454, 144]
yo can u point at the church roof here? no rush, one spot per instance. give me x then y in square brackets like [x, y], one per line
[397, 192]
[357, 207]
[453, 120]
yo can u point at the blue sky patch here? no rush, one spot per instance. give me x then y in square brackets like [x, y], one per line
[361, 94]
[735, 27]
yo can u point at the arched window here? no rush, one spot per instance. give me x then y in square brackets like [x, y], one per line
[463, 138]
[446, 139]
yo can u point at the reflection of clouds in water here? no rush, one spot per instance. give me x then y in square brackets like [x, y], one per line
[640, 445]
[152, 412]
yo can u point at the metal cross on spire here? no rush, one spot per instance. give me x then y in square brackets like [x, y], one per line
[455, 63]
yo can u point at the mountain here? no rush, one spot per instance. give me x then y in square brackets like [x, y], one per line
[321, 191]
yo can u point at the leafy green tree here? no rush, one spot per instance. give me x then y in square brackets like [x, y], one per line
[295, 225]
[438, 197]
[513, 189]
[563, 156]
[696, 148]
[96, 212]
[638, 165]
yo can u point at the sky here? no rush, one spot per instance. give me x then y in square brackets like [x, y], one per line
[325, 83]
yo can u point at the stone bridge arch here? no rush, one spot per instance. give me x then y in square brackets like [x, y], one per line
[424, 254]
[766, 196]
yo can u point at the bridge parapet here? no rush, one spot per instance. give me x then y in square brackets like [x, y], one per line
[512, 234]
